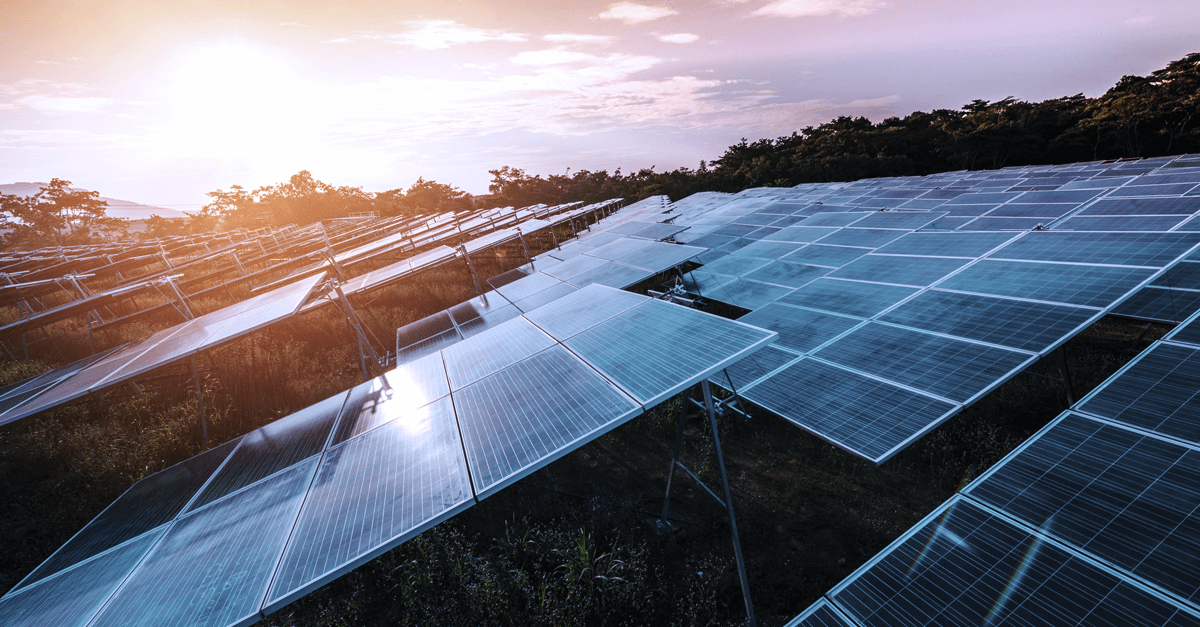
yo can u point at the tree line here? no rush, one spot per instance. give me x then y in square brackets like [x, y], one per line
[1140, 116]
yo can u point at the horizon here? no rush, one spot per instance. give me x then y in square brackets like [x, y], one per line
[159, 105]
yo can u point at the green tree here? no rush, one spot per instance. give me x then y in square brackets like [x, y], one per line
[57, 215]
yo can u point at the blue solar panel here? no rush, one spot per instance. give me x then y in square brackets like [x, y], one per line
[966, 566]
[848, 297]
[1156, 392]
[868, 417]
[1093, 286]
[1128, 249]
[829, 256]
[928, 244]
[902, 270]
[1124, 497]
[1161, 304]
[373, 493]
[799, 329]
[214, 564]
[1018, 324]
[946, 367]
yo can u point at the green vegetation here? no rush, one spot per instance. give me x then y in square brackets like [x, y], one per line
[55, 216]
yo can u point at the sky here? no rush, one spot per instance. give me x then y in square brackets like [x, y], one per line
[160, 102]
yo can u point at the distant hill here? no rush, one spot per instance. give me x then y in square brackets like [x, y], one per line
[117, 208]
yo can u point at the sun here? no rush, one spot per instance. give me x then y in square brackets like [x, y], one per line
[236, 97]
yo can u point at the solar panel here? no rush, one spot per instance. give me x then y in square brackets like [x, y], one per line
[910, 220]
[753, 367]
[820, 614]
[72, 597]
[524, 416]
[746, 293]
[505, 344]
[868, 417]
[374, 492]
[787, 274]
[854, 236]
[966, 566]
[903, 270]
[1156, 391]
[800, 330]
[1185, 274]
[829, 256]
[1025, 325]
[736, 265]
[942, 366]
[149, 503]
[391, 395]
[481, 313]
[926, 244]
[629, 348]
[1128, 249]
[216, 562]
[1125, 497]
[1093, 286]
[853, 298]
[1160, 304]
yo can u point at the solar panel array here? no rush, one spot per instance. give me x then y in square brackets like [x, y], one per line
[288, 296]
[901, 301]
[1093, 520]
[245, 528]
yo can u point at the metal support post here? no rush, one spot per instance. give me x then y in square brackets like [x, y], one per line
[364, 345]
[662, 522]
[474, 277]
[737, 545]
[186, 310]
[554, 237]
[1066, 373]
[200, 400]
[525, 248]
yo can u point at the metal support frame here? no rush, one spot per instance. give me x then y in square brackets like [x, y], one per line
[364, 344]
[200, 400]
[187, 312]
[525, 248]
[727, 502]
[1066, 373]
[554, 237]
[474, 277]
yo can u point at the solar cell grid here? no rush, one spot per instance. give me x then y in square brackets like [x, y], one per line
[871, 238]
[747, 293]
[1129, 249]
[930, 244]
[1124, 497]
[800, 330]
[525, 416]
[944, 367]
[867, 417]
[903, 270]
[853, 298]
[1024, 325]
[998, 573]
[829, 256]
[216, 562]
[1119, 223]
[505, 344]
[699, 346]
[1161, 304]
[373, 493]
[1093, 286]
[71, 598]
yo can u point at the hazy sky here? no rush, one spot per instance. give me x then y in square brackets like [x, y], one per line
[159, 102]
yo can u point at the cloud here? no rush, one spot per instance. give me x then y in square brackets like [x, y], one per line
[441, 34]
[554, 56]
[819, 8]
[576, 38]
[634, 13]
[46, 96]
[679, 38]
